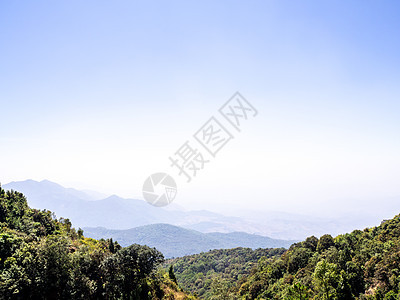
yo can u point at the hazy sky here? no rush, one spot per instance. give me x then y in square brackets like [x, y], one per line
[98, 95]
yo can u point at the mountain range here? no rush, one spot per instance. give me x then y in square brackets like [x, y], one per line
[119, 213]
[131, 221]
[174, 241]
[93, 209]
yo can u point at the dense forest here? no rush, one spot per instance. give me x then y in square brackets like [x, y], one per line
[42, 257]
[211, 274]
[358, 265]
[45, 258]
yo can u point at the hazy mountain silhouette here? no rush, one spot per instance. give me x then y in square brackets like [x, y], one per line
[85, 209]
[116, 212]
[174, 241]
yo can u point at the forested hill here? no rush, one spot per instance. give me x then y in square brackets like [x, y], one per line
[214, 274]
[359, 265]
[45, 258]
[364, 264]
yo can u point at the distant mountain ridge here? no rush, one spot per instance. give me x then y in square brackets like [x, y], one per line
[46, 187]
[135, 221]
[174, 241]
[88, 209]
[85, 211]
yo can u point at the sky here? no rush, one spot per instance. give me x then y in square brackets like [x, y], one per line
[98, 95]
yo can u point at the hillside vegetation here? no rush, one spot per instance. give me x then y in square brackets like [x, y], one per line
[215, 272]
[45, 258]
[358, 265]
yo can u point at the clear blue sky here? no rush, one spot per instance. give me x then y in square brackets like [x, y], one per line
[98, 94]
